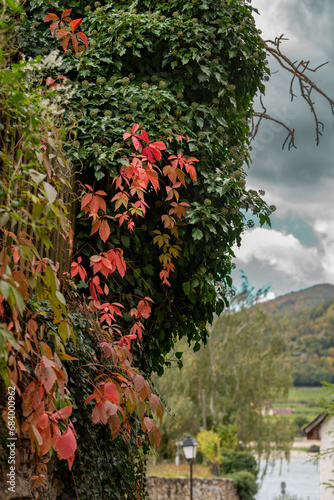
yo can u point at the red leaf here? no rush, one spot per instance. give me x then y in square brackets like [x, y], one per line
[50, 17]
[75, 43]
[139, 382]
[136, 143]
[66, 13]
[110, 408]
[144, 136]
[74, 24]
[144, 309]
[158, 145]
[66, 445]
[135, 128]
[62, 33]
[64, 43]
[48, 377]
[120, 263]
[154, 402]
[154, 436]
[53, 27]
[86, 199]
[114, 424]
[63, 412]
[126, 136]
[43, 421]
[104, 231]
[99, 414]
[82, 273]
[110, 392]
[70, 461]
[83, 38]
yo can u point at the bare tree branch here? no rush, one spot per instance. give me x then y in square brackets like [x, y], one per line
[306, 86]
[264, 115]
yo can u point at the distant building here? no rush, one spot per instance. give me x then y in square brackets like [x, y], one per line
[322, 428]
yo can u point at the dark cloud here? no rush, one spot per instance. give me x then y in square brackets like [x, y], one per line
[313, 20]
[299, 182]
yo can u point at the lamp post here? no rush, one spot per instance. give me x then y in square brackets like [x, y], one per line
[189, 447]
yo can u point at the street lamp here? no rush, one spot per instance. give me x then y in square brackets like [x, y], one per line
[189, 447]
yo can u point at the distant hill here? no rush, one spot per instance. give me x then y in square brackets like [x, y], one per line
[309, 324]
[307, 298]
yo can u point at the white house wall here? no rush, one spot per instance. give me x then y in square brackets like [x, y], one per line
[327, 462]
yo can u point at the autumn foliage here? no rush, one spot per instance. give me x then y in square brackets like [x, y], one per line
[35, 368]
[67, 34]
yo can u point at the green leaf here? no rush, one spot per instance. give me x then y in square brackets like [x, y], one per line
[61, 297]
[197, 234]
[186, 287]
[199, 121]
[50, 191]
[64, 330]
[206, 70]
[37, 177]
[7, 335]
[149, 269]
[197, 347]
[5, 289]
[125, 241]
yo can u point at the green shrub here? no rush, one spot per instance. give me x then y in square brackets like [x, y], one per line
[314, 448]
[246, 484]
[239, 461]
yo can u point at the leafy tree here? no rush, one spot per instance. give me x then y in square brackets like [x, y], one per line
[242, 369]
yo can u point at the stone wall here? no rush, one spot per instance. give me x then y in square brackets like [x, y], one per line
[23, 471]
[178, 488]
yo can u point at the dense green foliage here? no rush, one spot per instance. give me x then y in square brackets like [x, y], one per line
[236, 461]
[178, 68]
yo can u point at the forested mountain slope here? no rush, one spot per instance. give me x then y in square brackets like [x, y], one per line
[310, 316]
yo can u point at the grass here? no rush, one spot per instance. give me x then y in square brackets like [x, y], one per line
[183, 470]
[303, 400]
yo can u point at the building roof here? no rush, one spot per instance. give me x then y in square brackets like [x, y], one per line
[312, 429]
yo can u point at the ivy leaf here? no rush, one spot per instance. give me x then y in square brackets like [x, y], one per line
[197, 234]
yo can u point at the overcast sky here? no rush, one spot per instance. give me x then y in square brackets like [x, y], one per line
[298, 251]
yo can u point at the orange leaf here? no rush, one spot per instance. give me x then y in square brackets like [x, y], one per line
[62, 33]
[50, 17]
[64, 43]
[74, 24]
[75, 43]
[104, 231]
[86, 199]
[53, 27]
[83, 38]
[66, 13]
